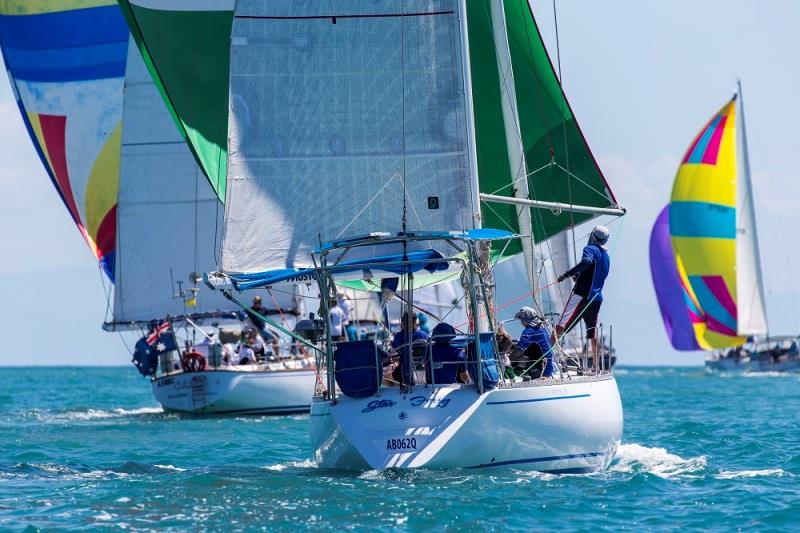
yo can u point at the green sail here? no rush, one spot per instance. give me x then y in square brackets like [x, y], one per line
[548, 128]
[187, 50]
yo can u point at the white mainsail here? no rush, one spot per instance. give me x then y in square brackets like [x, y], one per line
[338, 110]
[751, 311]
[167, 213]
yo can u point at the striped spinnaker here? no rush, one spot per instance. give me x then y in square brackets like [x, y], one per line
[66, 63]
[702, 224]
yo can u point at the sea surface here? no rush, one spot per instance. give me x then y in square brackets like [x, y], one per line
[90, 448]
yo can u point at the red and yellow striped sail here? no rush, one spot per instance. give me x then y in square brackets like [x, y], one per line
[702, 220]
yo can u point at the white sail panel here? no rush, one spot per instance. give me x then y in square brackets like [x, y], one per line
[751, 311]
[335, 106]
[167, 212]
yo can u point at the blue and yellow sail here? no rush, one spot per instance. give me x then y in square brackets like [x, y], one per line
[703, 231]
[66, 62]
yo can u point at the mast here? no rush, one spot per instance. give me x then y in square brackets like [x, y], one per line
[516, 151]
[470, 116]
[752, 312]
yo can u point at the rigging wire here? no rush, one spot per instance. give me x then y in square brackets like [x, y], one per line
[125, 343]
[564, 129]
[374, 197]
[196, 233]
[781, 226]
[106, 291]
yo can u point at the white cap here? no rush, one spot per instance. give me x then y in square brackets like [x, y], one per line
[599, 236]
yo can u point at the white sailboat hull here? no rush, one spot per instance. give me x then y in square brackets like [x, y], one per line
[553, 426]
[731, 365]
[236, 391]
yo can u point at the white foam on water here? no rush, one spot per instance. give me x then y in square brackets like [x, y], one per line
[58, 471]
[307, 463]
[124, 499]
[94, 414]
[755, 374]
[104, 474]
[525, 477]
[170, 467]
[657, 461]
[372, 475]
[735, 474]
[103, 516]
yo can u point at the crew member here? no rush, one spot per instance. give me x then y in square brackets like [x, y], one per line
[587, 296]
[256, 309]
[535, 332]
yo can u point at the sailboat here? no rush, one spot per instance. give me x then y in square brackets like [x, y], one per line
[704, 255]
[140, 200]
[379, 142]
[162, 188]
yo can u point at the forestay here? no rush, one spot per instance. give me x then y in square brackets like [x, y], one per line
[339, 110]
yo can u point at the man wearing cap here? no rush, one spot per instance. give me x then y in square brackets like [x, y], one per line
[535, 332]
[587, 296]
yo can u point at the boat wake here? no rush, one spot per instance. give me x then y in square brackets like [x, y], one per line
[733, 474]
[27, 471]
[635, 458]
[770, 374]
[94, 414]
[291, 465]
[755, 375]
[80, 472]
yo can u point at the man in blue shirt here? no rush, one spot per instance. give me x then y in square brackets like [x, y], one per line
[404, 372]
[535, 332]
[587, 296]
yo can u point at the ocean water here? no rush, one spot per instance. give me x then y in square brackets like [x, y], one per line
[89, 447]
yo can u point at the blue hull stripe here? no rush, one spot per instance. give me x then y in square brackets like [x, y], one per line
[550, 398]
[545, 460]
[287, 410]
[586, 470]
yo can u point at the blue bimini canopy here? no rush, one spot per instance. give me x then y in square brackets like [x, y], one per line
[382, 266]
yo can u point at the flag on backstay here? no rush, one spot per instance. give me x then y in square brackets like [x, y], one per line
[156, 333]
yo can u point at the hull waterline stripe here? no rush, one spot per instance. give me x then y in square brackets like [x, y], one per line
[289, 409]
[551, 398]
[544, 460]
[585, 470]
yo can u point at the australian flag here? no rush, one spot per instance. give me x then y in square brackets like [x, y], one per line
[159, 340]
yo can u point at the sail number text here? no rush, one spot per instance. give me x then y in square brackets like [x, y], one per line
[407, 443]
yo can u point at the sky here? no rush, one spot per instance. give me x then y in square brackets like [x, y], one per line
[642, 79]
